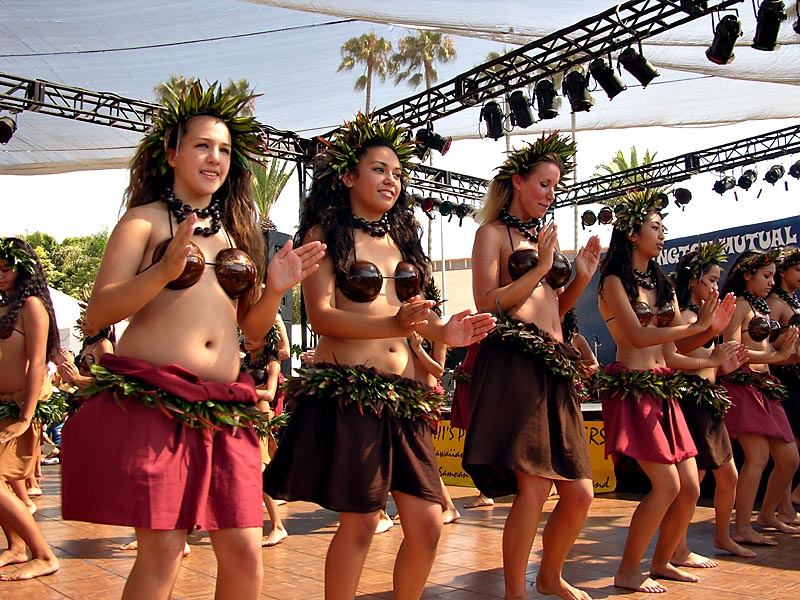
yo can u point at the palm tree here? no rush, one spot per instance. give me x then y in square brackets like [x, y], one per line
[372, 51]
[417, 54]
[269, 179]
[620, 163]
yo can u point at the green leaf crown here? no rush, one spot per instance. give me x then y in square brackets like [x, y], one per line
[342, 150]
[759, 259]
[17, 258]
[247, 136]
[789, 257]
[708, 253]
[633, 209]
[526, 158]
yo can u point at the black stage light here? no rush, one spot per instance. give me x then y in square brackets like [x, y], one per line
[588, 218]
[428, 139]
[428, 204]
[682, 196]
[606, 215]
[547, 99]
[462, 210]
[8, 125]
[794, 170]
[723, 185]
[520, 106]
[695, 8]
[774, 174]
[493, 115]
[770, 15]
[728, 30]
[604, 75]
[446, 208]
[747, 179]
[637, 65]
[575, 89]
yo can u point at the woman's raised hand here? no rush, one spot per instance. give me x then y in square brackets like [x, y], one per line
[464, 328]
[548, 239]
[290, 265]
[708, 310]
[174, 260]
[588, 257]
[413, 313]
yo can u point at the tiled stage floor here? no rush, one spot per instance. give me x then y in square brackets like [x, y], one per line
[468, 564]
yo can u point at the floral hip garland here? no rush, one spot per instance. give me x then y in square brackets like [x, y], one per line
[764, 382]
[635, 384]
[704, 393]
[53, 411]
[365, 387]
[210, 414]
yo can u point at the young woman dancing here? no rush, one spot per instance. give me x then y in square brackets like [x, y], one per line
[178, 449]
[757, 418]
[641, 414]
[704, 402]
[525, 430]
[361, 425]
[28, 340]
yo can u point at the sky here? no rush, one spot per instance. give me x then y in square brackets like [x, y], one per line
[83, 203]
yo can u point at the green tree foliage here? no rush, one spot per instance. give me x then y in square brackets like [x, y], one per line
[269, 179]
[375, 54]
[620, 163]
[417, 55]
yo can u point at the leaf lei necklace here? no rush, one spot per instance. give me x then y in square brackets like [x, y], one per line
[377, 228]
[647, 280]
[524, 227]
[759, 304]
[790, 299]
[181, 211]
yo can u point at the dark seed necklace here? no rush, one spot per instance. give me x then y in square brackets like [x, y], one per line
[181, 211]
[790, 299]
[258, 363]
[759, 304]
[528, 229]
[377, 228]
[646, 280]
[693, 307]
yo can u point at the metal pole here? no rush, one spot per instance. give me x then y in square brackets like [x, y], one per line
[575, 206]
[444, 272]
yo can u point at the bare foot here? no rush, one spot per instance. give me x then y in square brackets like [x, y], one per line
[10, 557]
[132, 545]
[481, 500]
[753, 538]
[385, 523]
[639, 583]
[672, 572]
[275, 537]
[450, 515]
[280, 501]
[694, 561]
[186, 549]
[774, 522]
[31, 507]
[36, 567]
[730, 546]
[561, 589]
[789, 519]
[34, 491]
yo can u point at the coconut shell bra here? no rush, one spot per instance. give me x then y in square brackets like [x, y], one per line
[522, 261]
[663, 315]
[362, 282]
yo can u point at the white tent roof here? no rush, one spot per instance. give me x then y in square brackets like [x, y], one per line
[290, 51]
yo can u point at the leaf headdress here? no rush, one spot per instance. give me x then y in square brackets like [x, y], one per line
[247, 141]
[633, 209]
[789, 257]
[17, 258]
[524, 159]
[342, 151]
[709, 253]
[758, 259]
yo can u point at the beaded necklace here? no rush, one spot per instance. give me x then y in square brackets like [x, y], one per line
[647, 280]
[259, 363]
[377, 228]
[524, 227]
[759, 304]
[790, 299]
[181, 211]
[693, 307]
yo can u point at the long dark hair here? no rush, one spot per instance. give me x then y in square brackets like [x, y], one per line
[328, 207]
[683, 276]
[619, 261]
[735, 283]
[30, 281]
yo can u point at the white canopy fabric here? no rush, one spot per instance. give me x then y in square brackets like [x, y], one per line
[290, 51]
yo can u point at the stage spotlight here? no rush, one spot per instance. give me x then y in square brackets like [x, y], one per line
[605, 216]
[637, 65]
[547, 99]
[694, 8]
[575, 89]
[682, 196]
[588, 218]
[427, 207]
[493, 115]
[604, 75]
[520, 105]
[747, 179]
[446, 208]
[774, 174]
[723, 185]
[794, 170]
[768, 22]
[428, 139]
[728, 30]
[8, 125]
[661, 201]
[462, 210]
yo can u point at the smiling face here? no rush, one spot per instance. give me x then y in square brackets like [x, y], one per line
[535, 191]
[202, 161]
[760, 283]
[649, 240]
[701, 288]
[376, 183]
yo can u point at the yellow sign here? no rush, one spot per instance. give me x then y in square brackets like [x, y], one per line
[449, 445]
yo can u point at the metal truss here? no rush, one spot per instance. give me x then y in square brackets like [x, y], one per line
[18, 94]
[597, 36]
[445, 185]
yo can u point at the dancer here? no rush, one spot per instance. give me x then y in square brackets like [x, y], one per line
[28, 340]
[704, 403]
[757, 418]
[178, 450]
[525, 429]
[638, 391]
[361, 425]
